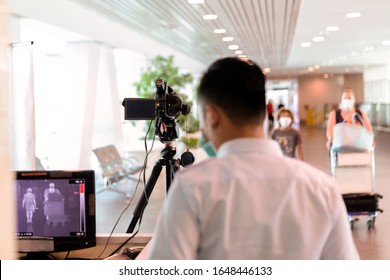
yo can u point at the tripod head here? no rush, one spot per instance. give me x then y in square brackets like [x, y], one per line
[168, 152]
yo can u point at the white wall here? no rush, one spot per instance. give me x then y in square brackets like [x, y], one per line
[356, 82]
[377, 84]
[75, 17]
[94, 115]
[7, 202]
[316, 90]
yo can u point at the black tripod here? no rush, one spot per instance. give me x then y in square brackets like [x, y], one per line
[171, 166]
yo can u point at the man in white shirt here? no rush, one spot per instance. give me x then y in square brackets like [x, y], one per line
[250, 202]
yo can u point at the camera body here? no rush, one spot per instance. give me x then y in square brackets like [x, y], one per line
[169, 103]
[165, 109]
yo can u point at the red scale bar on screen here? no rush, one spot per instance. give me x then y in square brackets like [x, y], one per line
[82, 205]
[81, 187]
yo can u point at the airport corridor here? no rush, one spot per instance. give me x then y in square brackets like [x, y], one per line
[372, 244]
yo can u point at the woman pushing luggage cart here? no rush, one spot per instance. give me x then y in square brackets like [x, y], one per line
[352, 159]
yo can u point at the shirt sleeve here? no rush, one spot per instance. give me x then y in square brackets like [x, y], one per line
[298, 138]
[176, 233]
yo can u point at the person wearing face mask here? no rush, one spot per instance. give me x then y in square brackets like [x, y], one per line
[289, 139]
[346, 113]
[249, 201]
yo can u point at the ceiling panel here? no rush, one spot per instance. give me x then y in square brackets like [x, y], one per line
[263, 29]
[267, 31]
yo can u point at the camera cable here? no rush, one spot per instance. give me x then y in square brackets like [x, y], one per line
[142, 173]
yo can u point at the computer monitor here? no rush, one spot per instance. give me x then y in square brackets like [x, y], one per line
[55, 211]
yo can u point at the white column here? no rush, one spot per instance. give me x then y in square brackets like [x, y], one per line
[8, 200]
[116, 107]
[93, 60]
[109, 111]
[78, 105]
[22, 106]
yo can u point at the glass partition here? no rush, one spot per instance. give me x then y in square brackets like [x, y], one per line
[378, 113]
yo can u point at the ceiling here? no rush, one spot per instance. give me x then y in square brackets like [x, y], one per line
[269, 32]
[263, 29]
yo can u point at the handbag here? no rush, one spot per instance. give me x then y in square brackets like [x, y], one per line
[351, 137]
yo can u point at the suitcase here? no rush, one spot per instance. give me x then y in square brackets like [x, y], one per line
[362, 204]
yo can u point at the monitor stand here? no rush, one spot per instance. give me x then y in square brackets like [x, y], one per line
[36, 248]
[38, 256]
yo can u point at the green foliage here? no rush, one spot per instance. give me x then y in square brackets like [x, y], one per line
[189, 123]
[163, 68]
[191, 142]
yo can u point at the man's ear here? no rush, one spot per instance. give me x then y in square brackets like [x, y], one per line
[212, 115]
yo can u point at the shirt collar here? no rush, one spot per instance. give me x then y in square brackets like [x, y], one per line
[249, 145]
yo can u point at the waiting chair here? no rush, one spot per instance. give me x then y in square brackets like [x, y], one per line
[115, 168]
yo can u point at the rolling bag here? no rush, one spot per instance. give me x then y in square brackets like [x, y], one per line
[362, 204]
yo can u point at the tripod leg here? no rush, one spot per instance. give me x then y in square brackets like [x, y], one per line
[170, 169]
[145, 195]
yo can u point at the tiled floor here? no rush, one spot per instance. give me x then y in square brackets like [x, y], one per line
[372, 244]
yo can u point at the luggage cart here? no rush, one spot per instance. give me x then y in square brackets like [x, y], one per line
[55, 213]
[54, 210]
[354, 172]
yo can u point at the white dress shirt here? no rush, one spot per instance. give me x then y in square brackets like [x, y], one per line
[251, 202]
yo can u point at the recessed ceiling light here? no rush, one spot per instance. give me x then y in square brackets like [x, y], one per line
[210, 17]
[233, 47]
[310, 69]
[316, 67]
[266, 70]
[305, 44]
[318, 39]
[238, 52]
[369, 49]
[332, 28]
[227, 39]
[196, 1]
[220, 31]
[242, 56]
[326, 76]
[353, 15]
[386, 43]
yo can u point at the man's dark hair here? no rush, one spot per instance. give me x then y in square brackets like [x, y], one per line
[237, 87]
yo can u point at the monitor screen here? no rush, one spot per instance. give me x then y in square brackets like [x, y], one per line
[55, 210]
